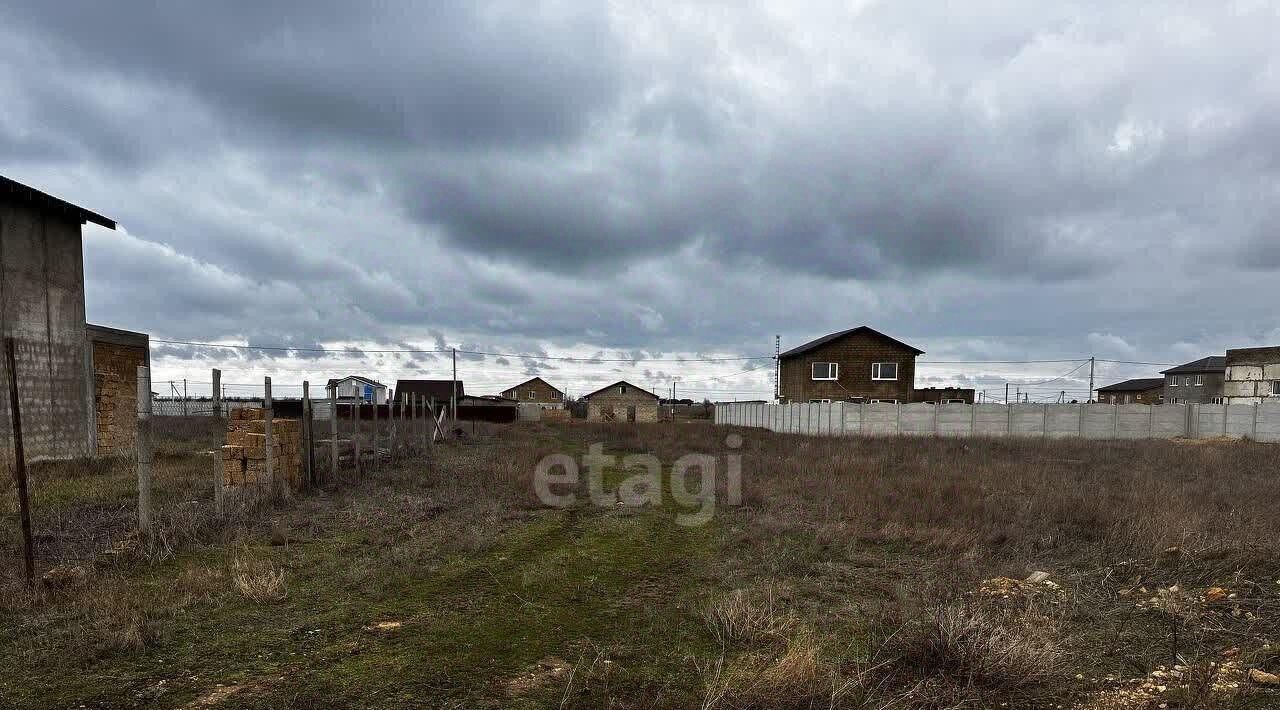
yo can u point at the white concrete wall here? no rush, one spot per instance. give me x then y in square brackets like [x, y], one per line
[1093, 421]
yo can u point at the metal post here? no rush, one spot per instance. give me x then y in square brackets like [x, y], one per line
[308, 441]
[20, 464]
[1092, 362]
[333, 433]
[144, 449]
[269, 454]
[453, 392]
[185, 399]
[219, 470]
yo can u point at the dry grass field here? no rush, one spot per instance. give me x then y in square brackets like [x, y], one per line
[873, 573]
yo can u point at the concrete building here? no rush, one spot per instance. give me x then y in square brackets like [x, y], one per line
[1252, 376]
[855, 365]
[622, 402]
[42, 292]
[1145, 390]
[1196, 382]
[536, 391]
[354, 388]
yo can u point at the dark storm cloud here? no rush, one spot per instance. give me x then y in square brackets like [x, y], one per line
[638, 180]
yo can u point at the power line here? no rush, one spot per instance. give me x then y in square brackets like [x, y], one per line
[361, 351]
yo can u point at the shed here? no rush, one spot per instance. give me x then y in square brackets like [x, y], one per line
[622, 402]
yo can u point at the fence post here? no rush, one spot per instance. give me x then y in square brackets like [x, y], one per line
[308, 442]
[144, 449]
[897, 405]
[267, 442]
[1256, 406]
[355, 437]
[20, 463]
[219, 468]
[333, 433]
[1115, 421]
[378, 434]
[1151, 421]
[426, 428]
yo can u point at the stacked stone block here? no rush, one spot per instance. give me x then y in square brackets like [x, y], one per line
[245, 456]
[115, 395]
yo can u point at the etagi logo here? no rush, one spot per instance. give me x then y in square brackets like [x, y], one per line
[644, 487]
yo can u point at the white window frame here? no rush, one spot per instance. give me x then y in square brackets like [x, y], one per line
[1173, 381]
[622, 389]
[1275, 388]
[833, 370]
[819, 401]
[1199, 380]
[877, 368]
[884, 401]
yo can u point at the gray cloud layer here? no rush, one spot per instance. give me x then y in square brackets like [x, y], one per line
[992, 180]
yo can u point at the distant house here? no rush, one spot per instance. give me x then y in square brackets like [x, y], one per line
[1252, 375]
[537, 391]
[1146, 390]
[622, 402]
[1196, 382]
[354, 388]
[436, 391]
[855, 365]
[944, 395]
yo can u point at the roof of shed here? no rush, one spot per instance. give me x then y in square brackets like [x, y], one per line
[335, 380]
[620, 382]
[814, 344]
[1254, 356]
[1213, 363]
[27, 195]
[434, 389]
[1142, 384]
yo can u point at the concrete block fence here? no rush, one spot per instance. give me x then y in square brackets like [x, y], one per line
[1089, 421]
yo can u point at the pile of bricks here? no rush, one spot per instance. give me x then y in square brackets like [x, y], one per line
[244, 458]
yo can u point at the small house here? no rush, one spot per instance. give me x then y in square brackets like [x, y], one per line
[622, 402]
[536, 391]
[1145, 390]
[354, 388]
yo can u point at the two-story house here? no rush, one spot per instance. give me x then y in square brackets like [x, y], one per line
[1197, 382]
[536, 391]
[856, 365]
[354, 388]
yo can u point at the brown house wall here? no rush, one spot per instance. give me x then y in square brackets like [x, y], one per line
[855, 353]
[542, 392]
[609, 400]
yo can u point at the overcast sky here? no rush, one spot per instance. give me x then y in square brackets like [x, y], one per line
[984, 180]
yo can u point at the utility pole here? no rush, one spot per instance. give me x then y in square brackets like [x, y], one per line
[1092, 361]
[453, 393]
[184, 397]
[777, 368]
[1006, 393]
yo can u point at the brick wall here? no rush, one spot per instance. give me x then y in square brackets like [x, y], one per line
[115, 396]
[534, 391]
[611, 405]
[244, 458]
[855, 353]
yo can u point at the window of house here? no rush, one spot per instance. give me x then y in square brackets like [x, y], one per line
[825, 370]
[819, 401]
[1199, 380]
[622, 389]
[884, 401]
[1173, 381]
[555, 395]
[884, 370]
[1218, 400]
[1275, 388]
[531, 394]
